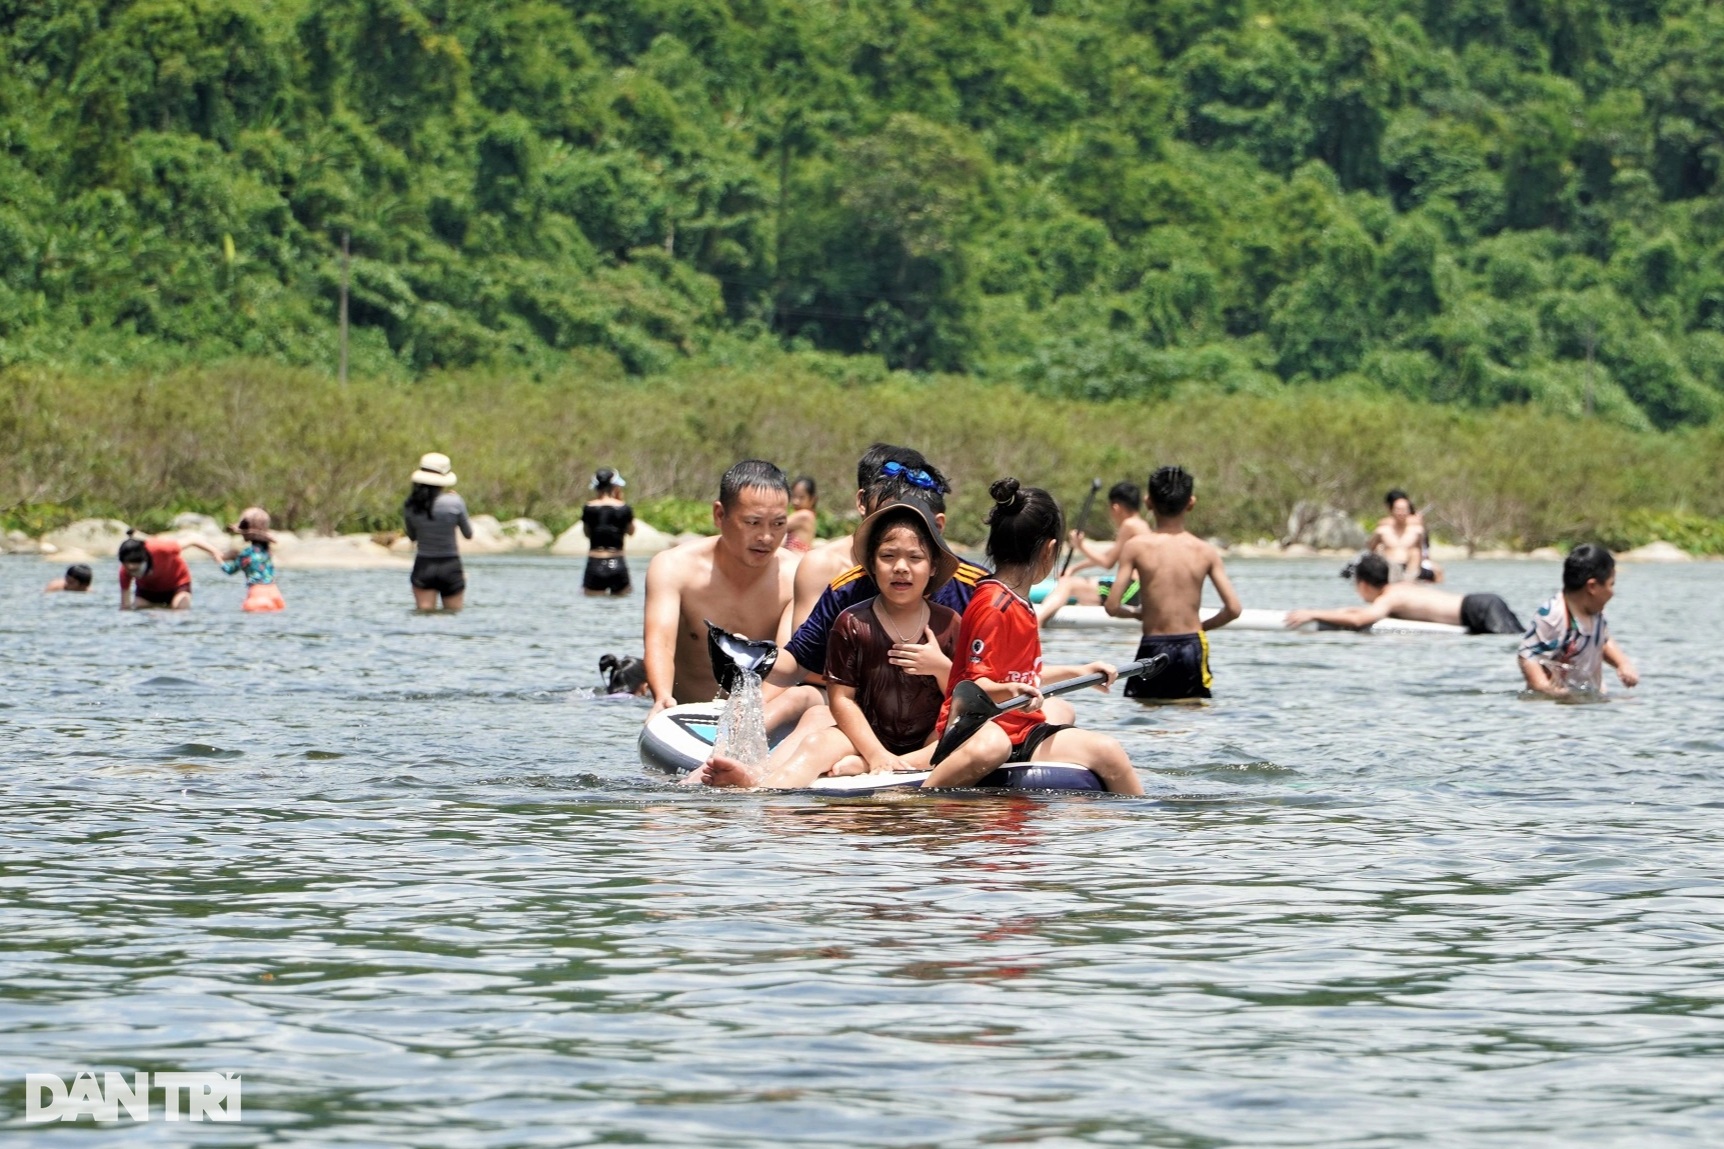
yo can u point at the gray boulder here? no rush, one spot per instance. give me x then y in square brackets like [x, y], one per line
[1324, 527]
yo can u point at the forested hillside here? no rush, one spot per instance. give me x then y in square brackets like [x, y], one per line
[1471, 201]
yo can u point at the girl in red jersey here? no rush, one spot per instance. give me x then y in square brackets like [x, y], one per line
[1000, 649]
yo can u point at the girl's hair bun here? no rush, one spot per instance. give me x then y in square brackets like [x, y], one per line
[1008, 500]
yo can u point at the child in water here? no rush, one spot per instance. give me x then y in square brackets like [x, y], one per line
[624, 677]
[799, 528]
[1569, 642]
[255, 561]
[886, 660]
[76, 580]
[1000, 649]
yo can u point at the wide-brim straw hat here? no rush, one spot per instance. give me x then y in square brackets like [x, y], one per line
[434, 471]
[862, 545]
[253, 526]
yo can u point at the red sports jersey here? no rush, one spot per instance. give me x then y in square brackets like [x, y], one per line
[999, 640]
[166, 573]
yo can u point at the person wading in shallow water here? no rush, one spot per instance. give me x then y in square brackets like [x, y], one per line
[739, 579]
[432, 514]
[804, 498]
[606, 520]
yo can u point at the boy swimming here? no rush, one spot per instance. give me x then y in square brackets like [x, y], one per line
[76, 580]
[1170, 564]
[1569, 642]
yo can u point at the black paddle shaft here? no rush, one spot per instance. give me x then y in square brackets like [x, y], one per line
[1082, 522]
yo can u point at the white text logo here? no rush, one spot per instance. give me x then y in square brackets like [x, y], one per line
[206, 1096]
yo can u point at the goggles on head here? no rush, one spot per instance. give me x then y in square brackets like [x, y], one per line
[914, 476]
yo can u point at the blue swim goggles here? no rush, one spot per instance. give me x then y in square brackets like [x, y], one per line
[911, 475]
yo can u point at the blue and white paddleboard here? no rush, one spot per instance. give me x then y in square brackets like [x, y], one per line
[678, 740]
[1250, 619]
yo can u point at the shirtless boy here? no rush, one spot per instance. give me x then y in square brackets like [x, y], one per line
[804, 499]
[1401, 538]
[1170, 564]
[1124, 507]
[739, 578]
[1479, 613]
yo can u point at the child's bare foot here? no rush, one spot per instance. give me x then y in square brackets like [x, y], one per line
[721, 771]
[848, 765]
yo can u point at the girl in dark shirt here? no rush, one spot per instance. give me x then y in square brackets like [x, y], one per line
[887, 662]
[606, 520]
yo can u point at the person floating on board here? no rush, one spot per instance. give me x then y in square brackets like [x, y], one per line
[159, 572]
[1402, 539]
[739, 579]
[827, 561]
[1569, 642]
[255, 561]
[606, 520]
[799, 532]
[432, 514]
[1000, 650]
[76, 580]
[1479, 613]
[1170, 564]
[887, 662]
[624, 676]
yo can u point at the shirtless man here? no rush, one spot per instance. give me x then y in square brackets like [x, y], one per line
[1170, 564]
[826, 561]
[1479, 613]
[1401, 539]
[740, 579]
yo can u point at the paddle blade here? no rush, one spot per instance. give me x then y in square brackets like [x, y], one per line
[733, 653]
[971, 708]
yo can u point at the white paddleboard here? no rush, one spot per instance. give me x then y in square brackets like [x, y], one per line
[1097, 616]
[678, 740]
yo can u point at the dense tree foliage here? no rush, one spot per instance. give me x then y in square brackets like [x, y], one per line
[1477, 201]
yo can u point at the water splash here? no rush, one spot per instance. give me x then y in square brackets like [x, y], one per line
[742, 726]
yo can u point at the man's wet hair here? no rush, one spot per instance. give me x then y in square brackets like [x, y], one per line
[80, 574]
[1397, 493]
[806, 482]
[875, 457]
[1170, 490]
[1126, 495]
[1021, 523]
[1586, 562]
[1372, 570]
[751, 474]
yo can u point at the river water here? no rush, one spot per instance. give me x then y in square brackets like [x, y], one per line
[408, 878]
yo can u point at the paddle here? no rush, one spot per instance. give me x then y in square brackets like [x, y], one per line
[971, 706]
[1082, 521]
[732, 654]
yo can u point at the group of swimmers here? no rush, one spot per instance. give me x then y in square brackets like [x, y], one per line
[875, 630]
[154, 574]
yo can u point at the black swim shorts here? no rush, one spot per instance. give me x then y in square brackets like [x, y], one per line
[1036, 736]
[607, 574]
[163, 597]
[1187, 674]
[443, 575]
[1489, 614]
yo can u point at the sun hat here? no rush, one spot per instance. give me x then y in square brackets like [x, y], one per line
[434, 470]
[945, 562]
[253, 526]
[605, 477]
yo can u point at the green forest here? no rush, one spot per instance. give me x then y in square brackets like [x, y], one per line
[1474, 202]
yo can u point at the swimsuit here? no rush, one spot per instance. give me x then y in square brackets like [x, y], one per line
[606, 526]
[1187, 675]
[261, 594]
[443, 575]
[1489, 614]
[437, 564]
[606, 574]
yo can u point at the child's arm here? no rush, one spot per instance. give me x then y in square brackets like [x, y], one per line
[1625, 668]
[200, 545]
[1351, 617]
[1114, 604]
[1230, 606]
[853, 724]
[1538, 679]
[1002, 691]
[1052, 674]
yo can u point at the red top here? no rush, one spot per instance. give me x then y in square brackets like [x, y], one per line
[999, 640]
[166, 573]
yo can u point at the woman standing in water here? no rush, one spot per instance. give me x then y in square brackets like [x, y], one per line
[432, 515]
[606, 520]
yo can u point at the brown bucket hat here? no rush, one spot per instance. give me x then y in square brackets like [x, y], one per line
[253, 526]
[945, 562]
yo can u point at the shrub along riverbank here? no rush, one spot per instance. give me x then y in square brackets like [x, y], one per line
[326, 457]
